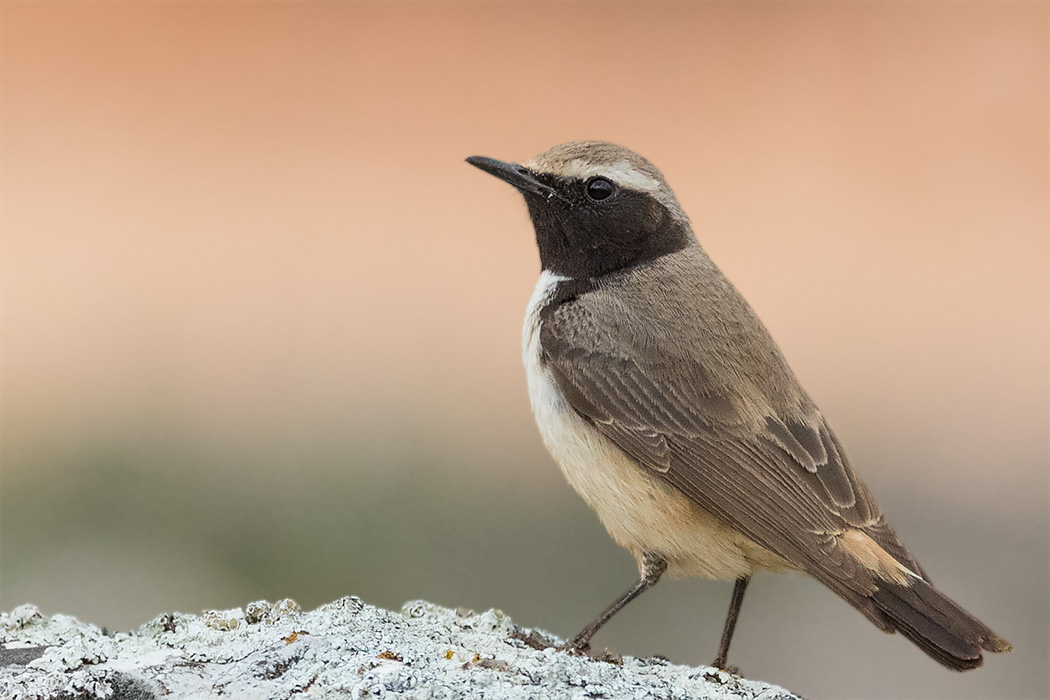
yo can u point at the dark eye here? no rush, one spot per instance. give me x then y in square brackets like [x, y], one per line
[598, 188]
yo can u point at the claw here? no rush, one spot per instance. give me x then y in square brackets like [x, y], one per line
[722, 666]
[573, 648]
[606, 655]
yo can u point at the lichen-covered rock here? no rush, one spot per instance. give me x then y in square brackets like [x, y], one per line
[342, 650]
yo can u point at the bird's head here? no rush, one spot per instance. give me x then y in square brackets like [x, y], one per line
[596, 207]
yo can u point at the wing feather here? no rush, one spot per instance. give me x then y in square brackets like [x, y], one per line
[781, 478]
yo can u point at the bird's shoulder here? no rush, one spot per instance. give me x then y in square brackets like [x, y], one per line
[678, 320]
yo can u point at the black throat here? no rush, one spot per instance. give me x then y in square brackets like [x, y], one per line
[580, 239]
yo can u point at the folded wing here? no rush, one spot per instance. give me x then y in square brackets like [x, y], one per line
[757, 455]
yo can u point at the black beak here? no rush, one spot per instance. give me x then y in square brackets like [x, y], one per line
[517, 175]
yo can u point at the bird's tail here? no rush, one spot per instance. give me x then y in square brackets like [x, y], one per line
[936, 624]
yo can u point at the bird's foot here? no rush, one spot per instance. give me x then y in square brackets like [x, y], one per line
[531, 638]
[608, 656]
[576, 647]
[721, 665]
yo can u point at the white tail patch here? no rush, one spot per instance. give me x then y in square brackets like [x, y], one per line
[875, 559]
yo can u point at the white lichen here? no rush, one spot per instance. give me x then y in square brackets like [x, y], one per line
[344, 649]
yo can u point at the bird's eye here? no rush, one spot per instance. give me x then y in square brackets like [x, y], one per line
[599, 188]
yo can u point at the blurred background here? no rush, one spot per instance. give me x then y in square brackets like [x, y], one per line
[261, 323]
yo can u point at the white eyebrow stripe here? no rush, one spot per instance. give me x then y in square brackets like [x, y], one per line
[621, 172]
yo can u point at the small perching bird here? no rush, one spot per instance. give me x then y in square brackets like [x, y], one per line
[670, 409]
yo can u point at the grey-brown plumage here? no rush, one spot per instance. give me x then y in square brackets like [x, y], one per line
[672, 411]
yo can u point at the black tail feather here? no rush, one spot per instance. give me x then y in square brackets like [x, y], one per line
[934, 623]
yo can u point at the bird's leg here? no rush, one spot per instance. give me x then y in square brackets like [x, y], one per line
[652, 568]
[734, 613]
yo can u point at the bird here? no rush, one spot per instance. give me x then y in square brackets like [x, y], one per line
[671, 410]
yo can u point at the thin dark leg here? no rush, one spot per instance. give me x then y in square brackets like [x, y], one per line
[734, 613]
[653, 568]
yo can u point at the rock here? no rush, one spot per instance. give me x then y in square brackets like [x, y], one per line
[345, 649]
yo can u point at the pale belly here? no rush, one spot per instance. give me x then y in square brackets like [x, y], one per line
[641, 512]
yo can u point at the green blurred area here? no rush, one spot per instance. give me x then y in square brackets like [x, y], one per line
[119, 529]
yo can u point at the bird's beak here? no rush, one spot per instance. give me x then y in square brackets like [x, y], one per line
[517, 175]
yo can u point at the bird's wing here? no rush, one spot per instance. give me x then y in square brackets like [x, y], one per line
[765, 463]
[778, 476]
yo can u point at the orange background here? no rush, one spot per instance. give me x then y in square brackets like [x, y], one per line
[261, 324]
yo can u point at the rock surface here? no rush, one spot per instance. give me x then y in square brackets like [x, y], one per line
[346, 649]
